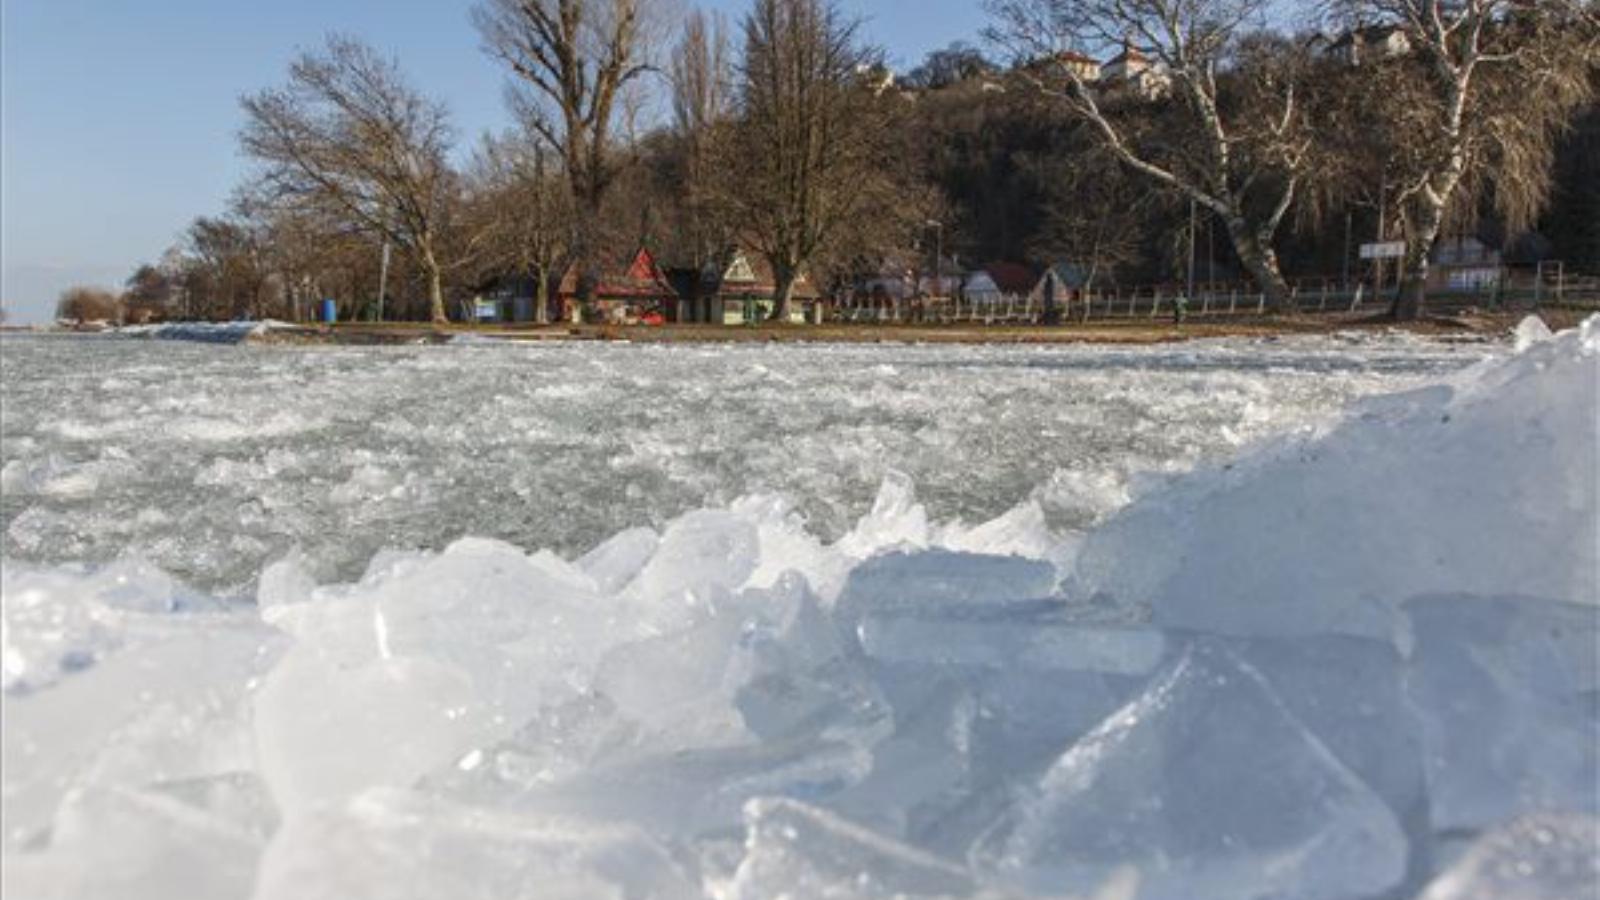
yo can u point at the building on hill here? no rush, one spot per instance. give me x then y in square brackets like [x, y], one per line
[1131, 71]
[1087, 68]
[1368, 42]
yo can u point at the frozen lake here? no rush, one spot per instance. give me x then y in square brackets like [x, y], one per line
[211, 461]
[1298, 619]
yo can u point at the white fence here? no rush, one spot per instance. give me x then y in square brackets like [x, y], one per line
[1515, 290]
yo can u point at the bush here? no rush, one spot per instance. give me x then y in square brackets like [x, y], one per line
[88, 304]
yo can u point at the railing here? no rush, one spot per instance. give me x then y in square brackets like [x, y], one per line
[1514, 290]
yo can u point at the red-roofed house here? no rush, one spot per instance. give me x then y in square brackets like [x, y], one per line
[627, 292]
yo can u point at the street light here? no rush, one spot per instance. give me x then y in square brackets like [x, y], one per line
[383, 275]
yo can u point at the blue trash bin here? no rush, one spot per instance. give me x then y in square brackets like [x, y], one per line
[330, 311]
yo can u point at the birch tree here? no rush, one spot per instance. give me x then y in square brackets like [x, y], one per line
[347, 134]
[1472, 109]
[1239, 142]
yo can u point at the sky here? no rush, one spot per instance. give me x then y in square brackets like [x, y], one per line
[118, 119]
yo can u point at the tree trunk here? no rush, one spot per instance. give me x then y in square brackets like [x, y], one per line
[436, 309]
[1408, 303]
[541, 297]
[783, 293]
[1261, 261]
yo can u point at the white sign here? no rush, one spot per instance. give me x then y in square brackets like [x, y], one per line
[1388, 250]
[485, 310]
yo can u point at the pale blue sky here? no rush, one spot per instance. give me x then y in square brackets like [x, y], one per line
[117, 119]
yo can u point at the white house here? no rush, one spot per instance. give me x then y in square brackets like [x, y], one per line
[1369, 42]
[1132, 70]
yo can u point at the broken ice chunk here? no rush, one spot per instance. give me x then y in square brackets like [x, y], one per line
[619, 558]
[402, 845]
[1539, 857]
[324, 732]
[704, 554]
[1211, 789]
[896, 520]
[117, 843]
[1506, 691]
[176, 708]
[936, 580]
[1348, 691]
[796, 850]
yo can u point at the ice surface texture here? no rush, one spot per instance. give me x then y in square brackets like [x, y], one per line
[1359, 661]
[212, 462]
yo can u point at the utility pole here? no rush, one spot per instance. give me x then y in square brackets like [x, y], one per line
[1383, 197]
[1345, 278]
[1211, 251]
[1189, 290]
[383, 276]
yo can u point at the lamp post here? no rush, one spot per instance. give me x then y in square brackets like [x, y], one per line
[383, 275]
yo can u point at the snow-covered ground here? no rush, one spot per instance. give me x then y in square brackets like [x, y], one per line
[1218, 620]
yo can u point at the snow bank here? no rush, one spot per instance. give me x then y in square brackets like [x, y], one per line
[204, 332]
[1354, 664]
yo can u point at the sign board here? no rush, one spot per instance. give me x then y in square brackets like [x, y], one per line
[1387, 250]
[485, 310]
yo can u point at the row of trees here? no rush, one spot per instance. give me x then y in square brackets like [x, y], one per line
[801, 148]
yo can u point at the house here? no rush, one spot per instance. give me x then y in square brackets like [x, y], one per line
[1464, 263]
[1086, 68]
[625, 292]
[1131, 71]
[997, 283]
[947, 282]
[1061, 285]
[875, 77]
[1368, 42]
[743, 291]
[514, 298]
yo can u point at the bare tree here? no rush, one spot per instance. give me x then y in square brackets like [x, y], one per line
[349, 135]
[82, 305]
[1237, 141]
[1472, 105]
[702, 105]
[572, 59]
[811, 154]
[1096, 212]
[519, 210]
[230, 269]
[148, 295]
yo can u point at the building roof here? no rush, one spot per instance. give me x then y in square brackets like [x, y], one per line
[748, 273]
[635, 277]
[1129, 53]
[1072, 56]
[1067, 274]
[1367, 34]
[1012, 278]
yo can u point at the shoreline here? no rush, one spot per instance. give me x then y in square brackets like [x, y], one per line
[1465, 324]
[1094, 332]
